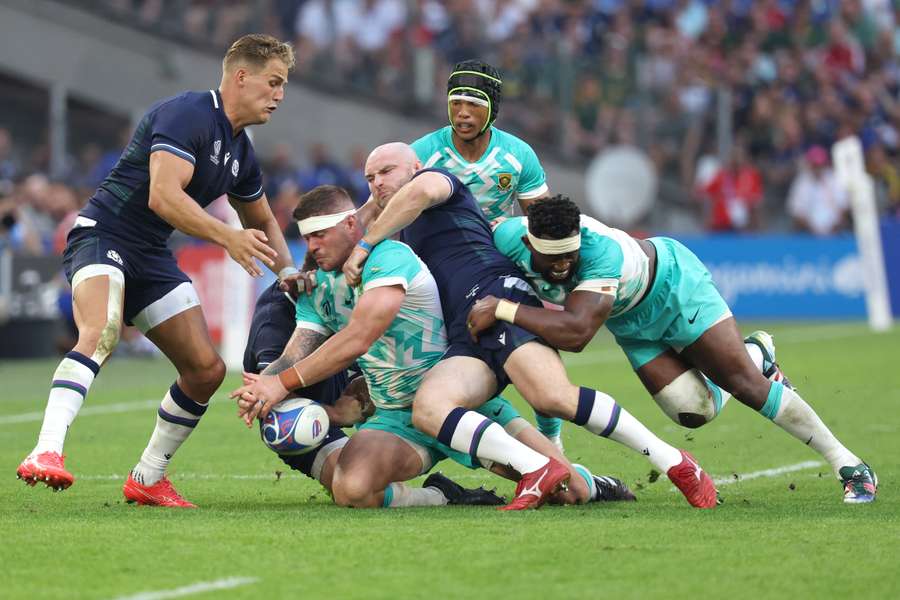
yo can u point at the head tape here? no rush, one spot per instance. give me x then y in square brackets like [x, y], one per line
[479, 81]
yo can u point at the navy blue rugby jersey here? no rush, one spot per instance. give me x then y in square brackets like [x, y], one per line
[192, 126]
[454, 239]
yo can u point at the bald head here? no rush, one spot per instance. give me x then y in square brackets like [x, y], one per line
[390, 167]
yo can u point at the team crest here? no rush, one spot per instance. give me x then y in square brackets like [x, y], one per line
[234, 168]
[217, 147]
[504, 181]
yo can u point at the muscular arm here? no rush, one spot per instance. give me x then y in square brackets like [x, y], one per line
[169, 175]
[373, 314]
[524, 203]
[258, 215]
[423, 192]
[302, 343]
[570, 329]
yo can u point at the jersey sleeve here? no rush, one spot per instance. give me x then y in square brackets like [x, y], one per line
[181, 130]
[454, 181]
[532, 181]
[508, 235]
[307, 317]
[391, 263]
[600, 267]
[250, 186]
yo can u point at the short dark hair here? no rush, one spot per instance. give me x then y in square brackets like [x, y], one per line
[554, 218]
[321, 200]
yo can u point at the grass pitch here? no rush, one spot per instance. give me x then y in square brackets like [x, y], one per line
[270, 533]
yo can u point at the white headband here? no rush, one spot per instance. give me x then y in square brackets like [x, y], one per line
[569, 244]
[320, 222]
[472, 99]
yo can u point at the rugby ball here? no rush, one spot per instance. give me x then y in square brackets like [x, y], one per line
[294, 426]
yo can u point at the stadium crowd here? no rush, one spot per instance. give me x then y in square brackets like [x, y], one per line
[579, 76]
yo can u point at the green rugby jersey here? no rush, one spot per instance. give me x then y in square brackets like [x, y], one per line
[608, 258]
[508, 170]
[414, 342]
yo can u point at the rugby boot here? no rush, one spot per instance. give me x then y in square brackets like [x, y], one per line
[698, 488]
[610, 489]
[46, 467]
[860, 484]
[457, 494]
[535, 487]
[770, 369]
[161, 493]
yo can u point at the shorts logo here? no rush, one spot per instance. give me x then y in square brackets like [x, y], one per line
[217, 147]
[114, 256]
[504, 181]
[234, 168]
[502, 338]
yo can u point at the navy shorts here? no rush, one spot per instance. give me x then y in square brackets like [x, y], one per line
[501, 339]
[150, 272]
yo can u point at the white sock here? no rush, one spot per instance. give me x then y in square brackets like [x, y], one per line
[175, 420]
[790, 412]
[469, 432]
[71, 382]
[598, 413]
[756, 355]
[398, 495]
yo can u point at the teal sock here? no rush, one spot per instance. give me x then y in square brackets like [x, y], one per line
[773, 402]
[588, 479]
[720, 396]
[549, 426]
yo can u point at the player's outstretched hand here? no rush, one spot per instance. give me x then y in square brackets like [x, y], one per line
[258, 397]
[482, 316]
[245, 245]
[354, 265]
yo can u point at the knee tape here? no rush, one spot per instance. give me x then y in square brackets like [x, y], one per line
[687, 400]
[109, 336]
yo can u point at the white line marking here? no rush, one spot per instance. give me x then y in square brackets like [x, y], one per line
[88, 411]
[809, 464]
[202, 476]
[195, 588]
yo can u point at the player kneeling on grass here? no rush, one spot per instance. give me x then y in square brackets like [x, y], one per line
[392, 327]
[660, 303]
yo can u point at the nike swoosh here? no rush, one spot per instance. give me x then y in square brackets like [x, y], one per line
[694, 318]
[500, 410]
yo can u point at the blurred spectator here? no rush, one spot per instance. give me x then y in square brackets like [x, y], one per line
[734, 194]
[9, 165]
[323, 169]
[817, 203]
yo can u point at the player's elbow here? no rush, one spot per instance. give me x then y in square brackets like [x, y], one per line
[156, 200]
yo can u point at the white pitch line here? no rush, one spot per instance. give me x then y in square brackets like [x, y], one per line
[195, 476]
[194, 588]
[809, 464]
[88, 411]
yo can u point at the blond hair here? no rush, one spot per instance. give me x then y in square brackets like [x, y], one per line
[255, 50]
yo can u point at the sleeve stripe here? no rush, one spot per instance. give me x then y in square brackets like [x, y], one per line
[254, 195]
[535, 193]
[385, 282]
[514, 162]
[313, 327]
[174, 150]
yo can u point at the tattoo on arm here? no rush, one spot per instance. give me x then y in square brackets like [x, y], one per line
[302, 344]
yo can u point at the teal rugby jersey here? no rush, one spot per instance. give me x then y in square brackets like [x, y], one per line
[413, 343]
[609, 258]
[508, 170]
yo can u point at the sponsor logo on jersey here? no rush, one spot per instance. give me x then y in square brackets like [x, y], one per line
[504, 181]
[234, 168]
[217, 147]
[114, 256]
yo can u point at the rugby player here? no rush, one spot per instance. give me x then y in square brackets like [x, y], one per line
[659, 301]
[500, 170]
[438, 217]
[186, 151]
[393, 326]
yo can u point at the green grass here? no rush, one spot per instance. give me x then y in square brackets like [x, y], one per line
[782, 536]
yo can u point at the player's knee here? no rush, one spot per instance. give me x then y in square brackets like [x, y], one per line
[426, 417]
[687, 400]
[556, 401]
[208, 373]
[353, 490]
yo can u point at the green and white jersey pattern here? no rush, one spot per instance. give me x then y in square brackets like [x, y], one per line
[609, 258]
[508, 170]
[414, 342]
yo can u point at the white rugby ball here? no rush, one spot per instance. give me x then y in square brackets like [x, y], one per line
[294, 426]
